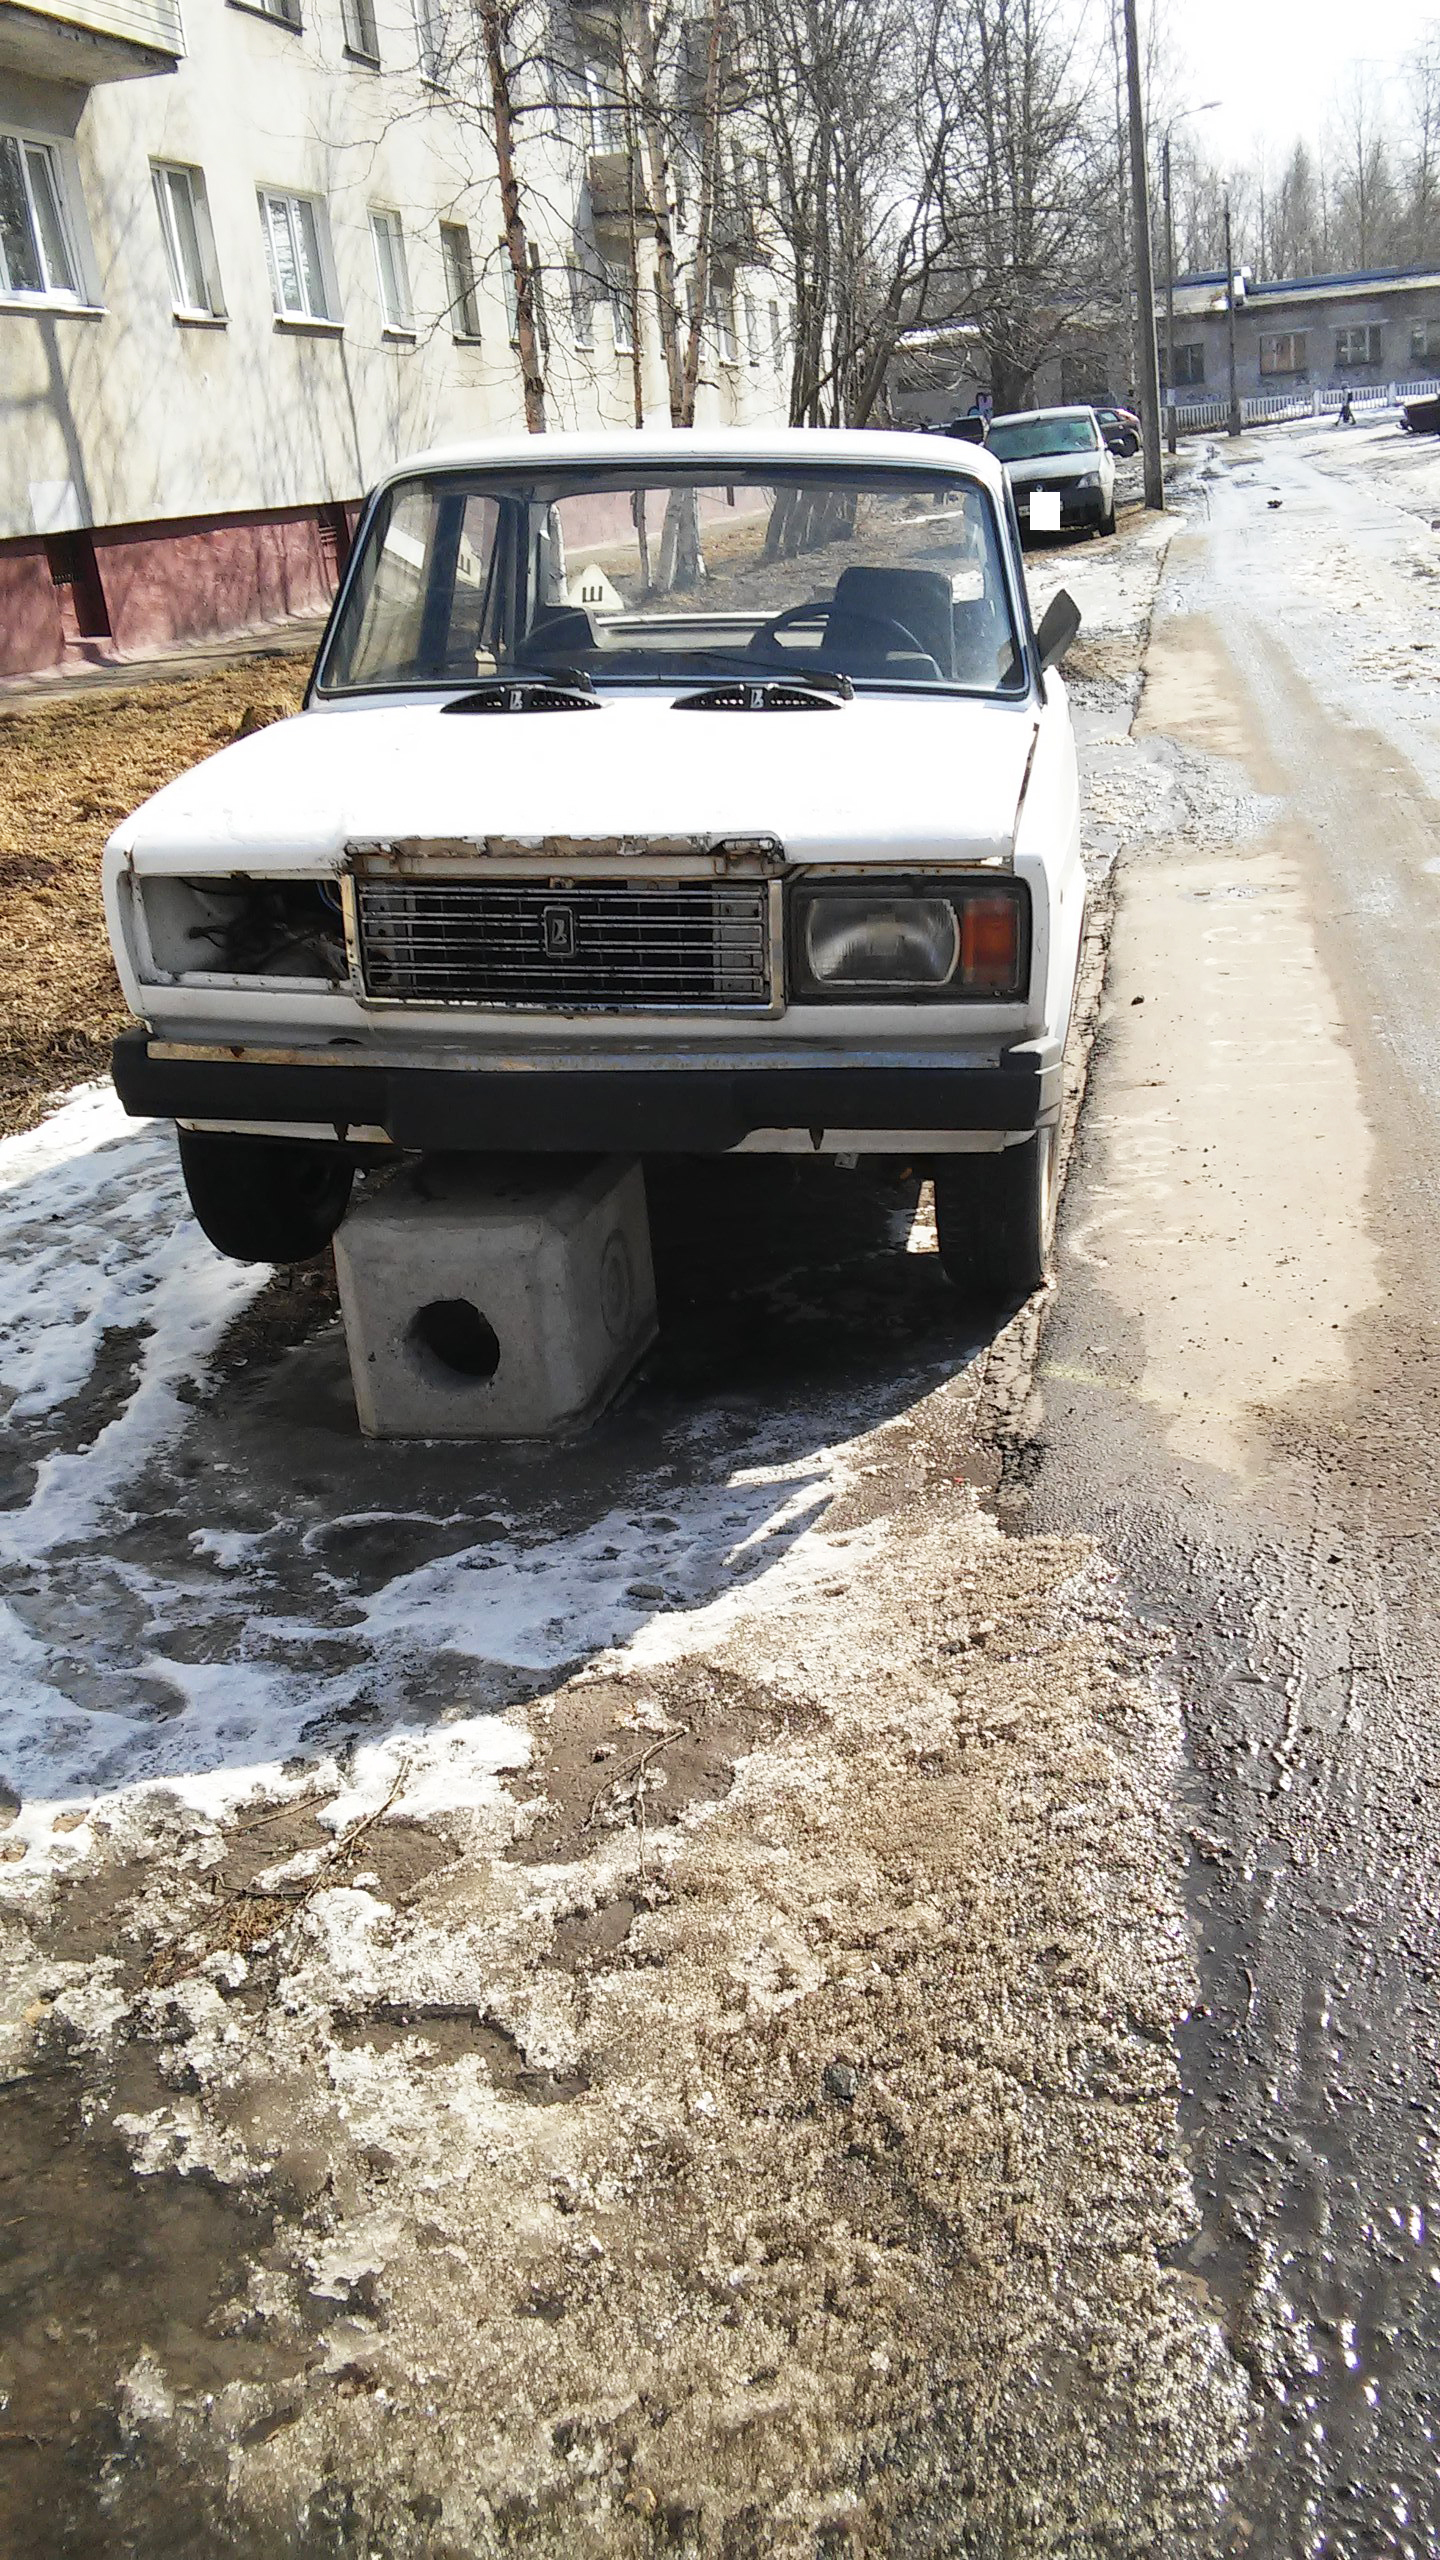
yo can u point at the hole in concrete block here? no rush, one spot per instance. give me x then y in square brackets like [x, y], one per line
[456, 1334]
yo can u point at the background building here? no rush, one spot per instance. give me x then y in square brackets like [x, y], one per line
[248, 259]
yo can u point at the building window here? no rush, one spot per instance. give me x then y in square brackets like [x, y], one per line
[606, 111]
[189, 241]
[394, 276]
[622, 308]
[1189, 366]
[434, 46]
[777, 336]
[512, 299]
[462, 306]
[582, 304]
[1355, 347]
[286, 12]
[357, 17]
[752, 330]
[1425, 342]
[722, 319]
[295, 246]
[37, 257]
[1284, 353]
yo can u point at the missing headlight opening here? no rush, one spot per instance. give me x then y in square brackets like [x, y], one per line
[245, 928]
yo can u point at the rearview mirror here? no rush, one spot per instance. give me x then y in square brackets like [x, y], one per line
[1058, 628]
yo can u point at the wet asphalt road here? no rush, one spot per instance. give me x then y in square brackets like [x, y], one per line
[1240, 1398]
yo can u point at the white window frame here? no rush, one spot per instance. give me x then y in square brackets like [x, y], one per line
[752, 329]
[1293, 341]
[722, 321]
[210, 302]
[1425, 341]
[291, 201]
[69, 296]
[619, 282]
[583, 298]
[605, 111]
[433, 33]
[357, 22]
[387, 234]
[1369, 330]
[512, 299]
[284, 13]
[461, 298]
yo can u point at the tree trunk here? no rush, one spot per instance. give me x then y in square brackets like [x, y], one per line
[517, 247]
[705, 215]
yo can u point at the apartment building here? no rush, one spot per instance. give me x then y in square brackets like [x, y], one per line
[250, 253]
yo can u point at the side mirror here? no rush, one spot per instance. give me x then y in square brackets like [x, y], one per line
[1059, 626]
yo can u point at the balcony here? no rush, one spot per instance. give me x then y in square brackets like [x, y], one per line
[87, 41]
[613, 175]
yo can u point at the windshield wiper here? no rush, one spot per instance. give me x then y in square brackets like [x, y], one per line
[561, 689]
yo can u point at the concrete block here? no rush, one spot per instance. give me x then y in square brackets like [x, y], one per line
[505, 1299]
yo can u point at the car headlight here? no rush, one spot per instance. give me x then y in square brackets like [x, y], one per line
[924, 940]
[1088, 480]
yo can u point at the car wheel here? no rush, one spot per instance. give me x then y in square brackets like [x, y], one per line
[265, 1199]
[1107, 521]
[995, 1219]
[1130, 446]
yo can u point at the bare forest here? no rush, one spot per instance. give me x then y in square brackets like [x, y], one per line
[1362, 193]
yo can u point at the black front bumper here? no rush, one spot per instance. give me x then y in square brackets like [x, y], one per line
[595, 1109]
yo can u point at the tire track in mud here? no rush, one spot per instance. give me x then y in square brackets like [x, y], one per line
[1276, 1506]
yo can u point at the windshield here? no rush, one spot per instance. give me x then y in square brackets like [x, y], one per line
[1026, 439]
[887, 577]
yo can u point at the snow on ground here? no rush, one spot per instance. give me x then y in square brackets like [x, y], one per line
[199, 1612]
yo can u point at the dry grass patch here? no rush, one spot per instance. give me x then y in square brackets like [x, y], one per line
[69, 772]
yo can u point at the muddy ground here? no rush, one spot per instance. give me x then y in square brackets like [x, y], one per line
[1237, 1398]
[621, 1999]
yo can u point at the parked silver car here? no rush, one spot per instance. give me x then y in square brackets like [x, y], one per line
[1058, 466]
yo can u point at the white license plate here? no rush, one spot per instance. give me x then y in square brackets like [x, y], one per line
[1045, 511]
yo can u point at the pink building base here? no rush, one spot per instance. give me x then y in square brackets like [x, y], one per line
[131, 591]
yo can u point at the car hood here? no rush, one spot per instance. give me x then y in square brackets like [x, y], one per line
[892, 778]
[1049, 469]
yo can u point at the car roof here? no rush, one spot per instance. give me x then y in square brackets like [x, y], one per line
[1014, 417]
[857, 447]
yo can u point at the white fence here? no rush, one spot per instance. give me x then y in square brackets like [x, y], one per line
[1261, 408]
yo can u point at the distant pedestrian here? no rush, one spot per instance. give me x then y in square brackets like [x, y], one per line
[1347, 414]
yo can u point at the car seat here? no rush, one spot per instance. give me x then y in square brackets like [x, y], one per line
[919, 600]
[560, 635]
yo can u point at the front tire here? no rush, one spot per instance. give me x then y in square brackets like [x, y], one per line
[265, 1199]
[995, 1219]
[1107, 521]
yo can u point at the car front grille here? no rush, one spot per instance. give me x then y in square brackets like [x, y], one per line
[612, 946]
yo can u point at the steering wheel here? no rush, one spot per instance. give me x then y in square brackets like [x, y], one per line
[891, 632]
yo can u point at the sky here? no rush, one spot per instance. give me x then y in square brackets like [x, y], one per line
[1276, 64]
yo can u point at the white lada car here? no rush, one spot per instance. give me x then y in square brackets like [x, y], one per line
[483, 894]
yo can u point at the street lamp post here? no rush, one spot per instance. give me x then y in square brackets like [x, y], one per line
[1234, 420]
[1147, 360]
[1182, 118]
